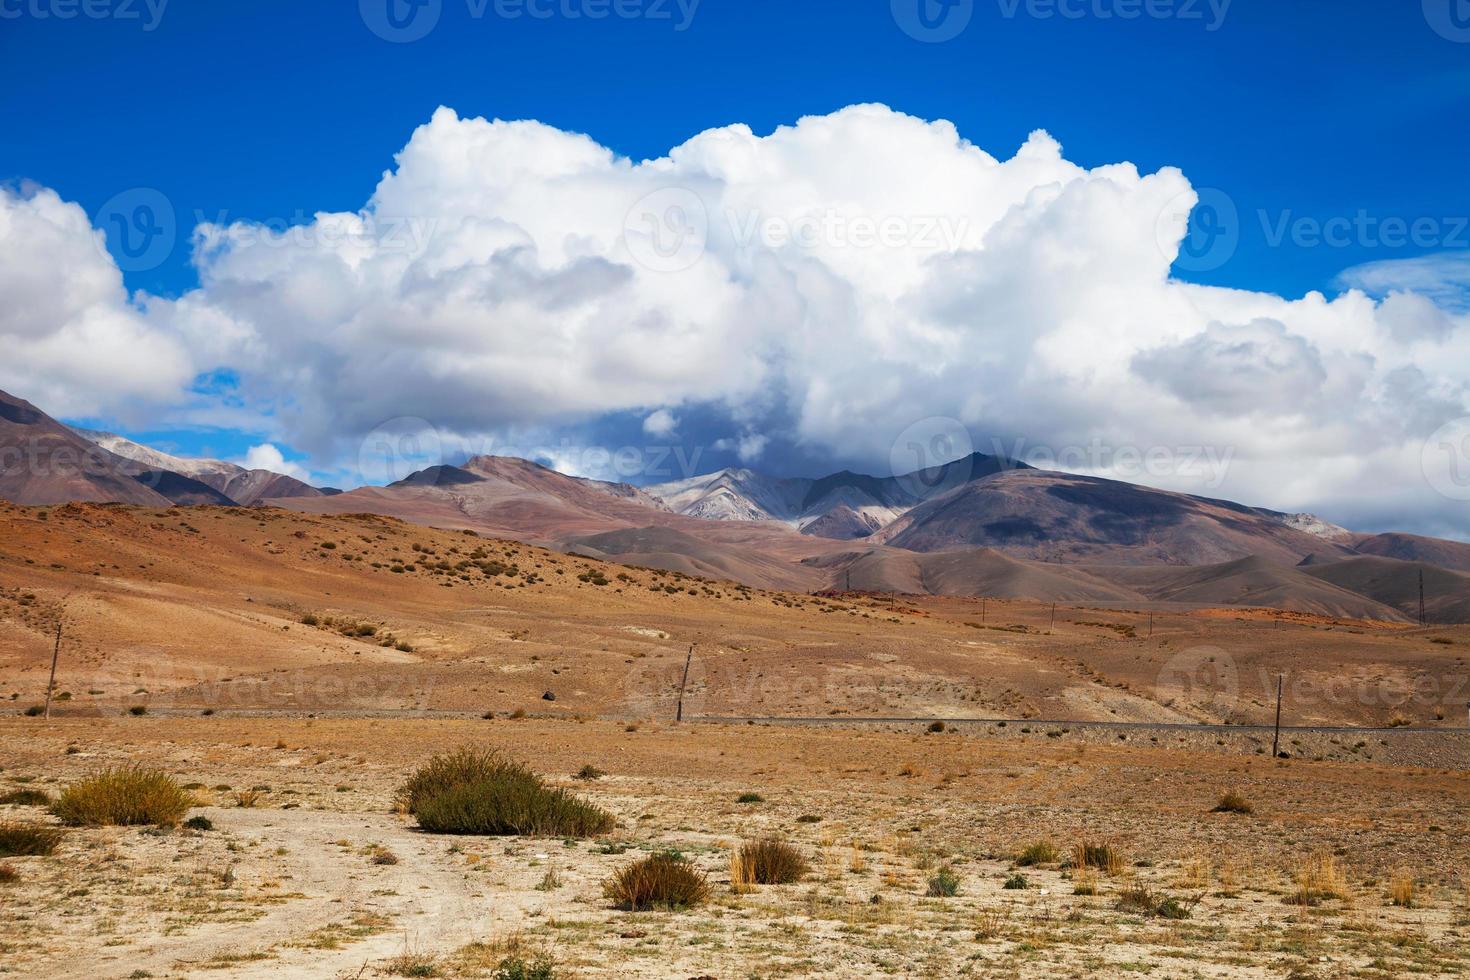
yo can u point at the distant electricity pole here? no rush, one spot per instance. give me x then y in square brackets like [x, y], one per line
[1423, 619]
[55, 654]
[679, 711]
[1276, 738]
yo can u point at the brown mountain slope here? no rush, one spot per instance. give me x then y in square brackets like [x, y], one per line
[1064, 518]
[1252, 581]
[978, 572]
[1413, 547]
[1396, 583]
[44, 462]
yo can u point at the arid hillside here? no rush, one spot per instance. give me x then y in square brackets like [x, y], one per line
[217, 608]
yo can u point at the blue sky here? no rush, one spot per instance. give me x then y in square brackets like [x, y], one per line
[271, 110]
[266, 108]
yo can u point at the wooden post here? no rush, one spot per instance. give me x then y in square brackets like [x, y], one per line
[1150, 624]
[679, 712]
[1053, 613]
[55, 654]
[1276, 738]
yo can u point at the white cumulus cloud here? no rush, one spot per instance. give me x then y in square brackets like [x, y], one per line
[826, 285]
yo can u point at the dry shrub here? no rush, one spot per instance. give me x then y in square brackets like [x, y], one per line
[1233, 802]
[26, 797]
[8, 874]
[123, 798]
[991, 923]
[659, 881]
[248, 799]
[471, 791]
[27, 840]
[1318, 877]
[1100, 856]
[1038, 852]
[1144, 901]
[773, 862]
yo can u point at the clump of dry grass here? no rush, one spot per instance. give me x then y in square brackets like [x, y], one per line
[1099, 855]
[1037, 852]
[248, 799]
[8, 874]
[1318, 877]
[1233, 802]
[742, 875]
[659, 881]
[1402, 890]
[27, 840]
[773, 862]
[1084, 881]
[123, 798]
[1143, 900]
[474, 791]
[411, 963]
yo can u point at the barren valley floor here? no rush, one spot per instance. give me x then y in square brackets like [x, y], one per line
[292, 670]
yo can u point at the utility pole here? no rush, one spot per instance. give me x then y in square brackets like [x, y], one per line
[1423, 619]
[679, 712]
[982, 609]
[55, 654]
[1150, 623]
[1053, 613]
[1276, 739]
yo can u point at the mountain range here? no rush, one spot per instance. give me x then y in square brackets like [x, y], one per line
[978, 526]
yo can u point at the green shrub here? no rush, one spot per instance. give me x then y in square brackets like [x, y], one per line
[750, 798]
[199, 823]
[26, 797]
[539, 967]
[1016, 883]
[26, 839]
[773, 862]
[35, 711]
[124, 798]
[589, 772]
[936, 727]
[477, 792]
[138, 710]
[659, 881]
[944, 884]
